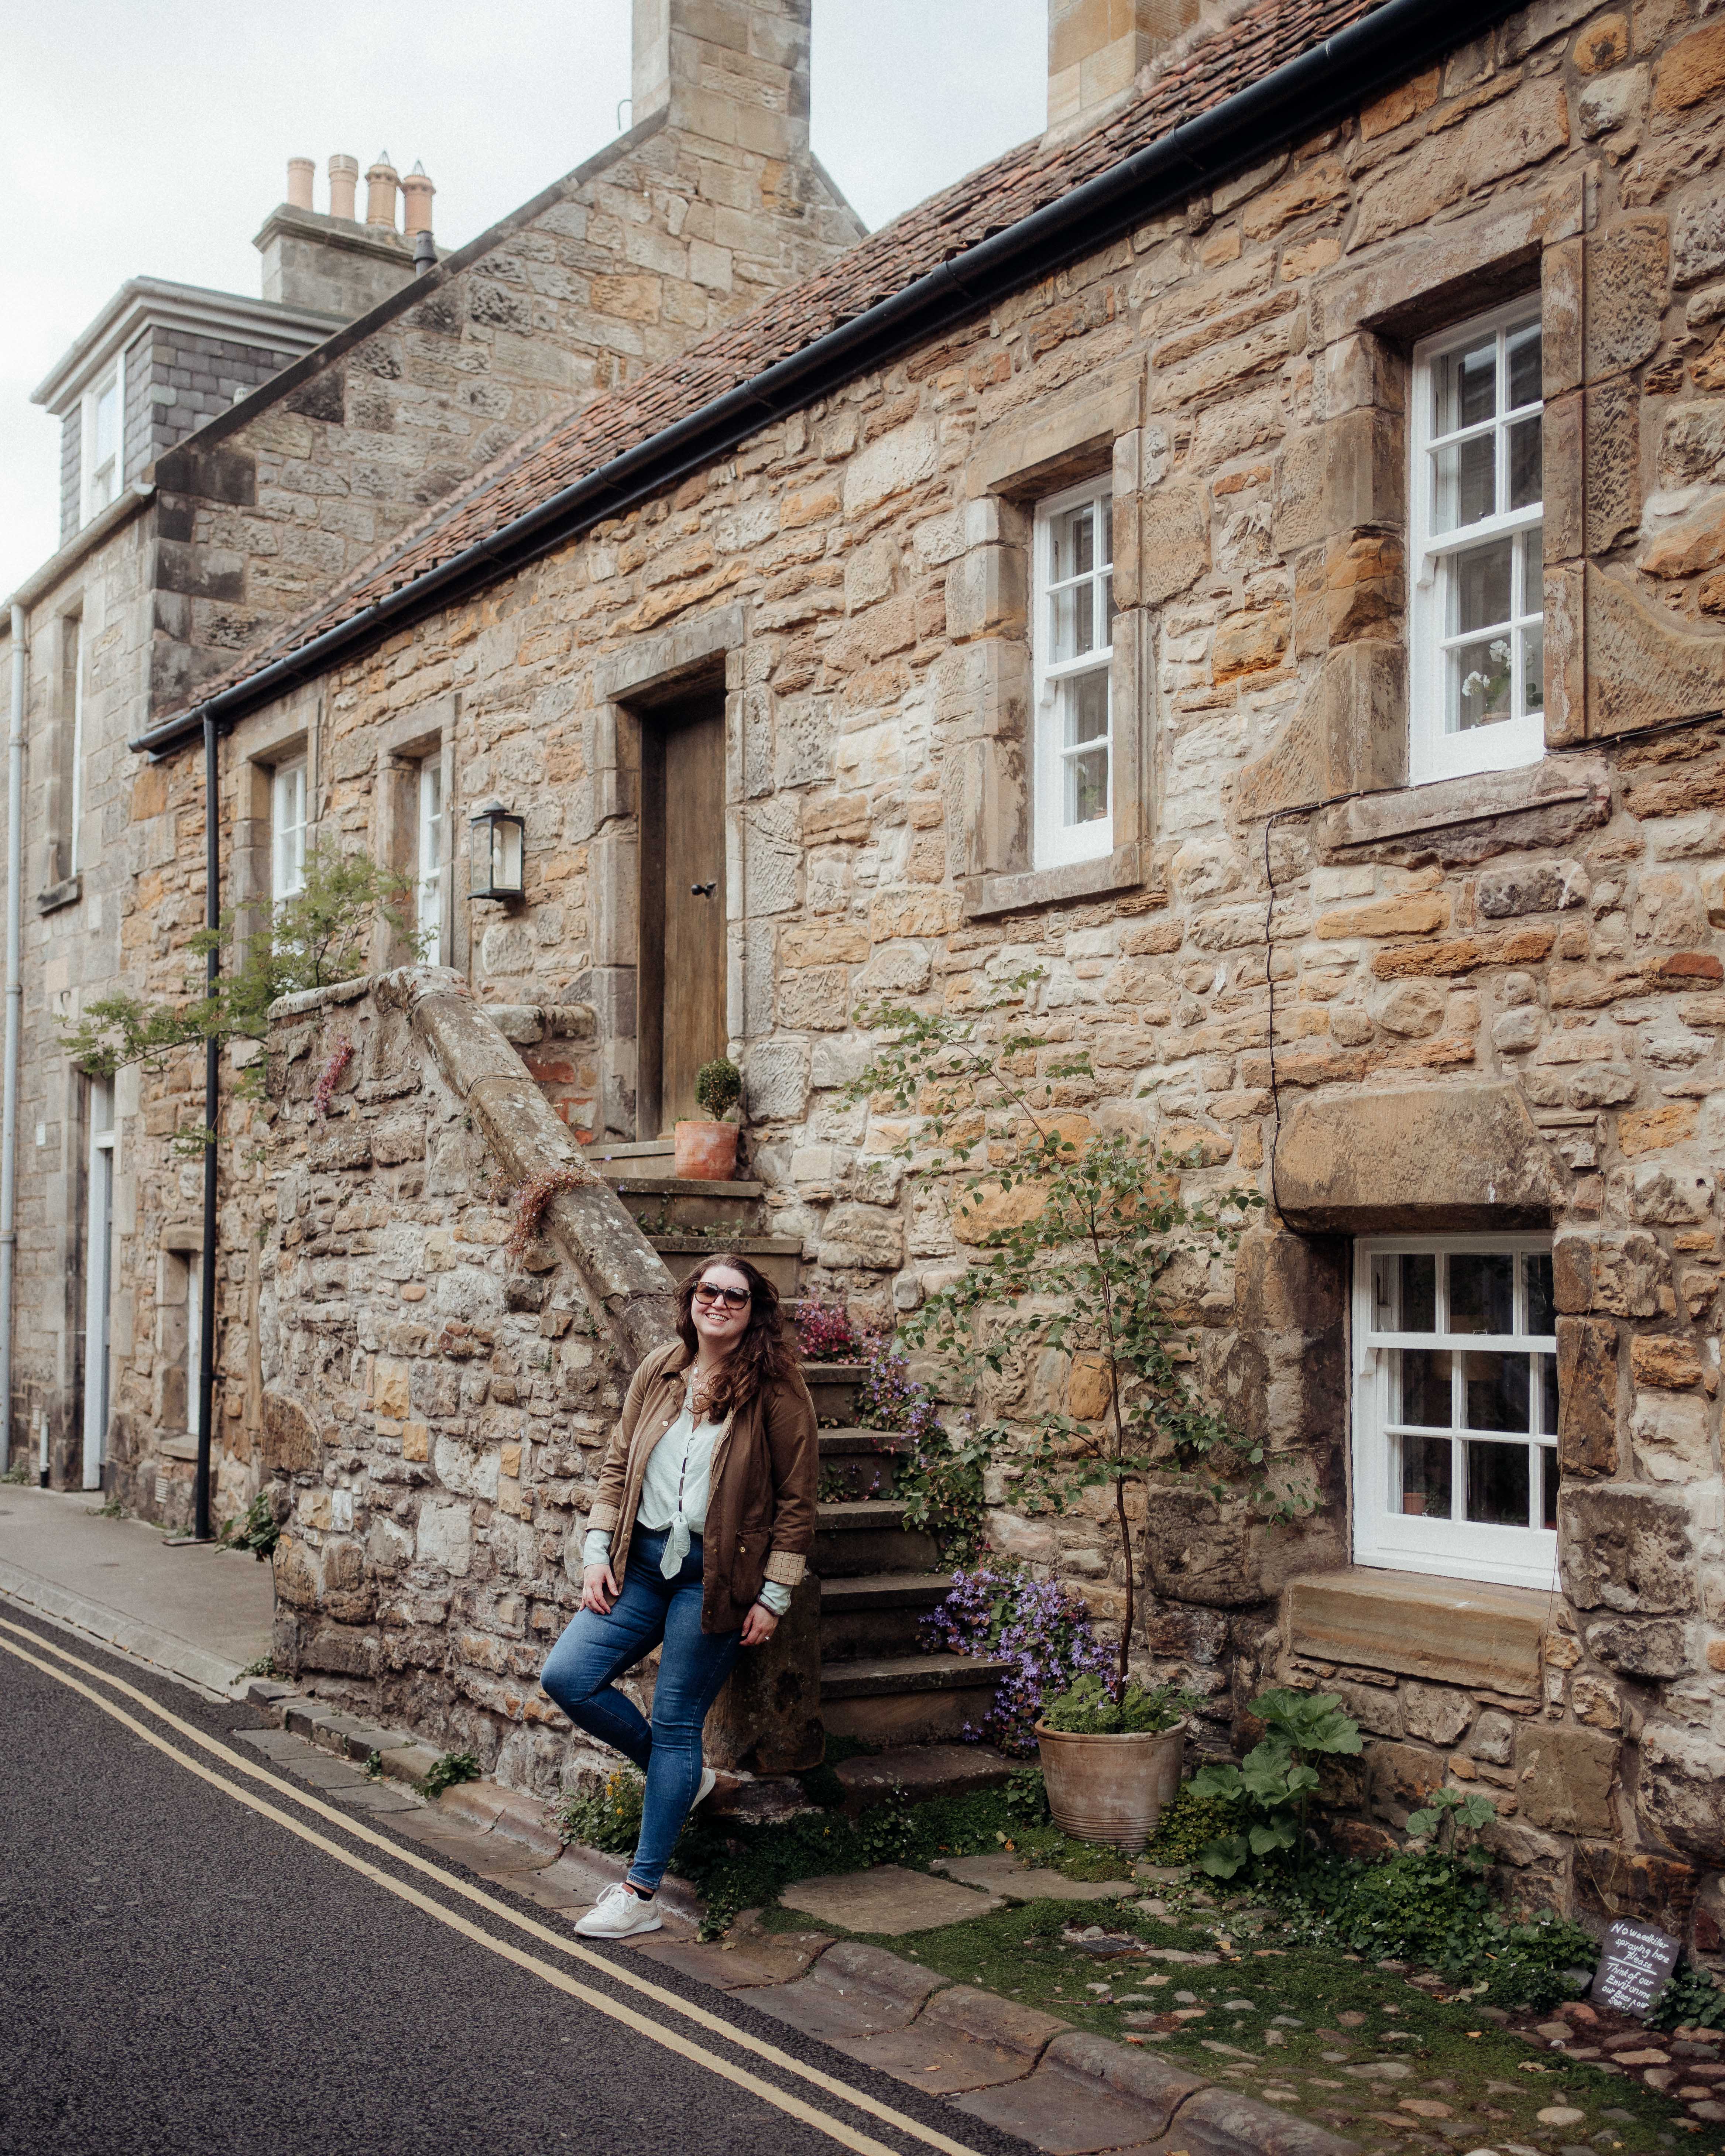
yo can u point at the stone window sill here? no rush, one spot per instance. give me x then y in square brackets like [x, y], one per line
[60, 894]
[985, 895]
[1371, 819]
[1447, 1631]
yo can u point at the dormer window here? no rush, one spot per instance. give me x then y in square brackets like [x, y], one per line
[103, 440]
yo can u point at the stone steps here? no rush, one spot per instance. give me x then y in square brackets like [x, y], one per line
[907, 1699]
[780, 1257]
[879, 1579]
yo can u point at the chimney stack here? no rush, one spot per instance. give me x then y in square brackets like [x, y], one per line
[417, 192]
[1097, 47]
[344, 182]
[381, 184]
[299, 172]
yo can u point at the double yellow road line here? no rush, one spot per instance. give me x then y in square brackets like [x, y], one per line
[654, 2031]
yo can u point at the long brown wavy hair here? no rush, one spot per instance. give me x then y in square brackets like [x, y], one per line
[760, 1357]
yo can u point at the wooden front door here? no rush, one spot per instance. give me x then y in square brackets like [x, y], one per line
[681, 1022]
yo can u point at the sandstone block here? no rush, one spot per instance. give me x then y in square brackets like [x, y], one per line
[866, 1235]
[1435, 1714]
[1670, 1197]
[1626, 1549]
[1659, 1359]
[1652, 1130]
[1692, 71]
[1174, 546]
[1453, 1157]
[1681, 1793]
[1641, 1647]
[775, 1080]
[1587, 1396]
[1672, 1435]
[1408, 913]
[1563, 1778]
[1628, 276]
[1441, 1631]
[1532, 887]
[1403, 1777]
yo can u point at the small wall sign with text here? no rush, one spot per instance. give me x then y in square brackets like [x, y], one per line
[1634, 1967]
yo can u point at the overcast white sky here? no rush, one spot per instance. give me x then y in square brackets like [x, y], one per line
[152, 139]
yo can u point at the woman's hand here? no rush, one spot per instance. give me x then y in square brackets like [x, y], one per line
[598, 1587]
[759, 1625]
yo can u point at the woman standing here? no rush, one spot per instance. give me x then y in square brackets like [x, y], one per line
[703, 1525]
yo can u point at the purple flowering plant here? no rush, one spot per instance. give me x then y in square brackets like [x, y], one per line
[1039, 1627]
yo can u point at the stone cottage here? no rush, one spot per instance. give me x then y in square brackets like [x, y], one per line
[228, 462]
[1254, 557]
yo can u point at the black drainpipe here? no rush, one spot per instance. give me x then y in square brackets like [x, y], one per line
[201, 1530]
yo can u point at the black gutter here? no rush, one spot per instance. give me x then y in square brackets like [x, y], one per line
[1298, 98]
[202, 1530]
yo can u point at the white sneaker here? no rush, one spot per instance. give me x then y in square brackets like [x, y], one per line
[618, 1914]
[709, 1781]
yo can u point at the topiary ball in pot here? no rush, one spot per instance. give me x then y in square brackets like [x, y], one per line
[706, 1152]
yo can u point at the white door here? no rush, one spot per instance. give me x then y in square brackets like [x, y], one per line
[98, 1274]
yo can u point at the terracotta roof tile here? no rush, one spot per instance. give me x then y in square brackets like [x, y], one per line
[988, 200]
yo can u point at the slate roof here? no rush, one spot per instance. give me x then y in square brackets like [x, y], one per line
[997, 195]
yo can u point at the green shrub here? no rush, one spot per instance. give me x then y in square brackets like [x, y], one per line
[1277, 1779]
[1692, 1998]
[607, 1818]
[1187, 1825]
[1088, 1708]
[1430, 1907]
[452, 1767]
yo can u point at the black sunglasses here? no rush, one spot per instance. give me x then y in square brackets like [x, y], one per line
[733, 1298]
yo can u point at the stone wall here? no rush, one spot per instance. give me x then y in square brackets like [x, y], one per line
[1287, 939]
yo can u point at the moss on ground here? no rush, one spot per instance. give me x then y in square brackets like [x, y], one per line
[1287, 2023]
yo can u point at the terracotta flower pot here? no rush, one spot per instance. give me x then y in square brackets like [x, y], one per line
[708, 1152]
[1110, 1789]
[1414, 1502]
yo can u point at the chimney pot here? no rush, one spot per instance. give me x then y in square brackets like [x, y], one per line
[1097, 47]
[417, 192]
[382, 181]
[299, 188]
[344, 183]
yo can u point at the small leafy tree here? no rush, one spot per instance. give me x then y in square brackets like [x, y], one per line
[312, 940]
[1092, 1236]
[718, 1087]
[1277, 1779]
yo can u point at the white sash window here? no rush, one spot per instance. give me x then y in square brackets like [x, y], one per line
[1455, 1407]
[1475, 513]
[1072, 644]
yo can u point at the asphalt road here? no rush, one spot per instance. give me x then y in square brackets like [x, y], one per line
[178, 1973]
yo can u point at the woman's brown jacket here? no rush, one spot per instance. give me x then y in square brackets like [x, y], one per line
[760, 1508]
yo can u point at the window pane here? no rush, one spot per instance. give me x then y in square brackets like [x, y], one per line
[1425, 1477]
[1480, 684]
[1547, 1395]
[1424, 1374]
[1497, 1485]
[1479, 587]
[1524, 464]
[1549, 1460]
[1467, 482]
[1466, 385]
[1087, 786]
[1074, 622]
[1536, 1267]
[1483, 1291]
[1532, 644]
[1419, 1292]
[1086, 708]
[1495, 1388]
[1522, 350]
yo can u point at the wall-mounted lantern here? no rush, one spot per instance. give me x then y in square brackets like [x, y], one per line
[495, 854]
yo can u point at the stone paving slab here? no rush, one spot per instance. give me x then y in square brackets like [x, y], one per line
[853, 1990]
[889, 1900]
[1087, 2094]
[963, 2039]
[370, 1797]
[1015, 1880]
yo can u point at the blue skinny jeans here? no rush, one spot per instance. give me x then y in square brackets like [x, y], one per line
[592, 1651]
